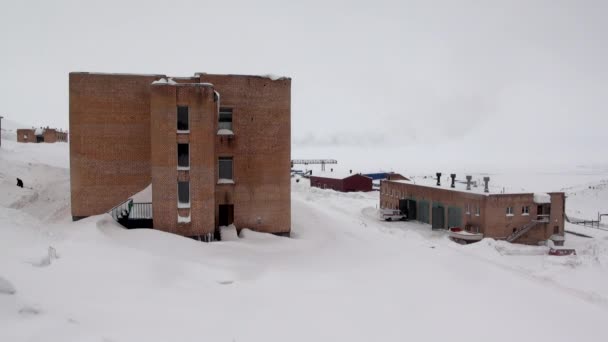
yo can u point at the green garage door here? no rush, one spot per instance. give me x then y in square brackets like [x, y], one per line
[423, 211]
[454, 217]
[438, 216]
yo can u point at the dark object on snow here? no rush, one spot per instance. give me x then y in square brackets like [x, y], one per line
[19, 183]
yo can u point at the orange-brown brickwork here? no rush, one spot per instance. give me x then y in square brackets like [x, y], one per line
[491, 219]
[124, 137]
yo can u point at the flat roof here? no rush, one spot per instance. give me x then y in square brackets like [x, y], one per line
[461, 186]
[338, 174]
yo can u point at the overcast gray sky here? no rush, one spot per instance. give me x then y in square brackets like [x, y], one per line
[436, 81]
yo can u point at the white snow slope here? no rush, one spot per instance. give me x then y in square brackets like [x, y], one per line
[343, 276]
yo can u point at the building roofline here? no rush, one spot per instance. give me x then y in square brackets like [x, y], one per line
[113, 74]
[267, 76]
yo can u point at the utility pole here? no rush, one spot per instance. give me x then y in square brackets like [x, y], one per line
[1, 117]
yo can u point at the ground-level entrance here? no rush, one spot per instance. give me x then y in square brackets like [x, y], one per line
[226, 214]
[438, 217]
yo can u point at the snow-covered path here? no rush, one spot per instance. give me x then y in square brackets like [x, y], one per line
[343, 275]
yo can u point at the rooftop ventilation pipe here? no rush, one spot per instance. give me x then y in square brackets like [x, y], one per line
[486, 180]
[469, 182]
[351, 172]
[438, 178]
[453, 176]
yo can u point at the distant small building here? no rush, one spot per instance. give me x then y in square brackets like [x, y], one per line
[344, 182]
[39, 135]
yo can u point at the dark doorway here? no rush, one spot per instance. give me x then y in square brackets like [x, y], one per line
[226, 214]
[39, 138]
[403, 207]
[411, 207]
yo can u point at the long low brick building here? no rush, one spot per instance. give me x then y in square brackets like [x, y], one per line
[517, 217]
[41, 135]
[215, 149]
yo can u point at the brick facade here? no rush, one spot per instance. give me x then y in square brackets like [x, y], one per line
[47, 135]
[484, 213]
[124, 137]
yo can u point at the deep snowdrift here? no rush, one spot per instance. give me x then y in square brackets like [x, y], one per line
[343, 276]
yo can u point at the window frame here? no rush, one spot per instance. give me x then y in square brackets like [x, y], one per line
[182, 167]
[219, 159]
[183, 205]
[525, 210]
[219, 117]
[510, 211]
[187, 130]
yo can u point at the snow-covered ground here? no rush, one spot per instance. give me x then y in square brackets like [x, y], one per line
[343, 276]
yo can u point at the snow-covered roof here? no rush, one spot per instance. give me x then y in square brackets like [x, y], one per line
[542, 198]
[460, 185]
[336, 174]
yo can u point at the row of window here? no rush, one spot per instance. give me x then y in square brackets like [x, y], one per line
[525, 210]
[183, 118]
[224, 174]
[183, 162]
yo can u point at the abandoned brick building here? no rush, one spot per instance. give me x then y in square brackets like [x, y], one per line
[516, 217]
[214, 148]
[39, 135]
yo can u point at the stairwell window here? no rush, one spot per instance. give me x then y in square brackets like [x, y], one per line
[183, 119]
[183, 156]
[225, 120]
[525, 210]
[183, 194]
[509, 211]
[225, 170]
[467, 209]
[477, 211]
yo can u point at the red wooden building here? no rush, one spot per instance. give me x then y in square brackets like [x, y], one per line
[341, 182]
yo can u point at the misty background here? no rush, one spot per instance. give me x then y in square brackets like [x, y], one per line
[393, 85]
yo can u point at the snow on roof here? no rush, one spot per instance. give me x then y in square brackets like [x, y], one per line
[460, 185]
[542, 198]
[39, 131]
[161, 81]
[336, 174]
[274, 77]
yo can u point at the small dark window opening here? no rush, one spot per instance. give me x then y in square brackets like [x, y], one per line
[225, 118]
[556, 230]
[183, 155]
[182, 118]
[183, 192]
[225, 167]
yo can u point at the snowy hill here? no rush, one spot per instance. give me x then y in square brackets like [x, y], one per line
[343, 276]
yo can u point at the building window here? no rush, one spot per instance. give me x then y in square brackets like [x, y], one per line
[183, 155]
[225, 168]
[525, 210]
[477, 211]
[225, 119]
[182, 118]
[467, 209]
[509, 211]
[555, 229]
[183, 194]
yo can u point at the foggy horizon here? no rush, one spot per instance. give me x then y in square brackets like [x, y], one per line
[468, 84]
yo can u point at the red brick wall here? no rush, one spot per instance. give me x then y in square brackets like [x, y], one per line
[493, 220]
[201, 175]
[327, 183]
[261, 151]
[26, 135]
[110, 139]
